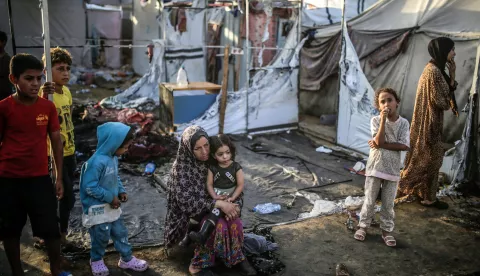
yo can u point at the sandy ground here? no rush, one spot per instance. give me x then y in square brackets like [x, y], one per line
[430, 242]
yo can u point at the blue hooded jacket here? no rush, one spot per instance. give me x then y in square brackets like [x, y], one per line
[99, 180]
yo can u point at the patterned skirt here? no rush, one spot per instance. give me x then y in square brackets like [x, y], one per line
[226, 243]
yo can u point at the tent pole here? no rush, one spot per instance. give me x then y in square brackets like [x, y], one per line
[10, 21]
[247, 56]
[46, 41]
[340, 69]
[48, 65]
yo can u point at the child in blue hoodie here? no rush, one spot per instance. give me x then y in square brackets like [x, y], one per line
[101, 192]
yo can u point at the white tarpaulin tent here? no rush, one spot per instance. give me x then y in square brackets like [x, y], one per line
[67, 26]
[317, 13]
[397, 33]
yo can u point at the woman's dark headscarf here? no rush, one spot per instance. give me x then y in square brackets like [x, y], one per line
[438, 49]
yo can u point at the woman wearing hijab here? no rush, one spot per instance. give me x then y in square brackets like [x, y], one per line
[435, 89]
[188, 200]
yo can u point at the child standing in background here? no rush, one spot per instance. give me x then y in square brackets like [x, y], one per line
[62, 98]
[390, 136]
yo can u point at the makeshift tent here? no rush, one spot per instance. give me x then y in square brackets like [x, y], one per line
[105, 30]
[145, 29]
[68, 29]
[67, 26]
[390, 41]
[317, 13]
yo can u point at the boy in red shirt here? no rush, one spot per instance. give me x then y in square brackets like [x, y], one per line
[25, 186]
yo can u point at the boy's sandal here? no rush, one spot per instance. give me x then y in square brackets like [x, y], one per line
[360, 235]
[203, 272]
[134, 264]
[389, 241]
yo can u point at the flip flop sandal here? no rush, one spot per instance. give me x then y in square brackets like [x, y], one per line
[134, 264]
[389, 241]
[341, 270]
[360, 235]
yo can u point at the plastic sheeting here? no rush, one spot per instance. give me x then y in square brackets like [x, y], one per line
[144, 213]
[326, 12]
[374, 29]
[145, 90]
[273, 174]
[272, 90]
[355, 108]
[67, 26]
[105, 23]
[465, 161]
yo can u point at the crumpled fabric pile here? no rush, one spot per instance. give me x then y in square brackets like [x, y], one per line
[259, 249]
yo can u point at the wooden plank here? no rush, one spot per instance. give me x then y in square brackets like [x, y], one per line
[210, 87]
[223, 100]
[166, 108]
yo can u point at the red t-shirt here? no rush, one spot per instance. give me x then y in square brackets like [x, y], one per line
[24, 130]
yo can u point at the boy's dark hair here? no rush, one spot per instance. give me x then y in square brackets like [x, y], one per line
[3, 37]
[130, 136]
[219, 141]
[23, 62]
[59, 55]
[385, 90]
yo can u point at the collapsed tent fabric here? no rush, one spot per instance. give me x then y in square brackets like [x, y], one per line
[272, 90]
[465, 161]
[413, 24]
[355, 108]
[144, 94]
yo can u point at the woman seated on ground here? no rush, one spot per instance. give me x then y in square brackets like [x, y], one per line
[189, 201]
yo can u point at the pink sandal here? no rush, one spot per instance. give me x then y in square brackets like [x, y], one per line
[134, 264]
[360, 235]
[99, 268]
[389, 241]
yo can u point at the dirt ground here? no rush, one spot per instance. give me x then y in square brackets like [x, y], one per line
[430, 242]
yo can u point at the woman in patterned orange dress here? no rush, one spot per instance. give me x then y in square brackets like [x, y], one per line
[434, 96]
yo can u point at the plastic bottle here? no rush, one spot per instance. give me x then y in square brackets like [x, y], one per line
[182, 79]
[267, 208]
[150, 168]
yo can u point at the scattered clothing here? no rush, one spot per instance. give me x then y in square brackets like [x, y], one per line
[256, 244]
[266, 263]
